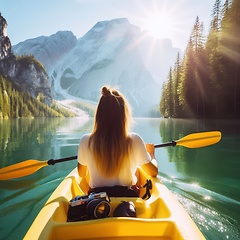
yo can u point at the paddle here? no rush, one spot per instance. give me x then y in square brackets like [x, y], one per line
[28, 167]
[194, 140]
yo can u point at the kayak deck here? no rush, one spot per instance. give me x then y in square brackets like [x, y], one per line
[159, 217]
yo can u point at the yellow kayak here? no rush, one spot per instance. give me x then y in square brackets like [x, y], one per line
[159, 217]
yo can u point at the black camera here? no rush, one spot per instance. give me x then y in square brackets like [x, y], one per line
[86, 207]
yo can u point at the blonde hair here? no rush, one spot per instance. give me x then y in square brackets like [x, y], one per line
[109, 139]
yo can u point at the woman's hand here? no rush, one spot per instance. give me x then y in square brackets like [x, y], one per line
[151, 150]
[152, 167]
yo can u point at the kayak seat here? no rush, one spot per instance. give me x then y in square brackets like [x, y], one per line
[115, 191]
[123, 191]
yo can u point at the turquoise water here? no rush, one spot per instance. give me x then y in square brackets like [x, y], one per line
[205, 180]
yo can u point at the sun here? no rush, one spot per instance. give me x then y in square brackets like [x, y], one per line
[160, 25]
[161, 20]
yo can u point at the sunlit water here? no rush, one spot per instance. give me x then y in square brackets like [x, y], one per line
[205, 180]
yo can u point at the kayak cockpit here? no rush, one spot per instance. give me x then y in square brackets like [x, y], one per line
[159, 217]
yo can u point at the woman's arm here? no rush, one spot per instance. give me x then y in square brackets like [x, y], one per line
[151, 168]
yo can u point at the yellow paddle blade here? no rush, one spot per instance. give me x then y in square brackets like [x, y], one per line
[197, 140]
[21, 169]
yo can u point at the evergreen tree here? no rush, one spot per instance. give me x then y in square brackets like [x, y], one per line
[166, 104]
[162, 105]
[225, 7]
[213, 36]
[192, 82]
[170, 91]
[213, 59]
[229, 47]
[177, 108]
[1, 97]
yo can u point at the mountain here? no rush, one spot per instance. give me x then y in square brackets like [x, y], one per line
[47, 50]
[114, 53]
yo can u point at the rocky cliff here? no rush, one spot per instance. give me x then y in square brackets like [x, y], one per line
[26, 72]
[5, 43]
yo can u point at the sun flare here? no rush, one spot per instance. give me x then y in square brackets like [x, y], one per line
[160, 25]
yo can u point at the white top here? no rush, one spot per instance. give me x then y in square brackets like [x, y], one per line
[126, 177]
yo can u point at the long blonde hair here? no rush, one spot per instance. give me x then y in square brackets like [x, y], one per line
[109, 140]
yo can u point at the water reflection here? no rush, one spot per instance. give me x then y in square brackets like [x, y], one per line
[217, 165]
[38, 138]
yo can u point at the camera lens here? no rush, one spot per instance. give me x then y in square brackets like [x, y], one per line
[98, 208]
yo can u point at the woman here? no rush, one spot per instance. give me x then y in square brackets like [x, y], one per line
[111, 153]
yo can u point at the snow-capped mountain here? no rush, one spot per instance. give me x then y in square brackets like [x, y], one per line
[114, 53]
[47, 50]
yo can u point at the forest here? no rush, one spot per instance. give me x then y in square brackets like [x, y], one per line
[15, 103]
[205, 82]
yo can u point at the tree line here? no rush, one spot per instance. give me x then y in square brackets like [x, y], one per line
[205, 82]
[15, 103]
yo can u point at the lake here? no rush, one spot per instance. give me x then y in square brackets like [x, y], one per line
[205, 180]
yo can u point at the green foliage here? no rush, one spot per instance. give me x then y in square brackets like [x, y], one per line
[167, 101]
[27, 60]
[14, 103]
[206, 84]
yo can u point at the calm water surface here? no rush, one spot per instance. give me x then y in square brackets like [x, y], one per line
[205, 180]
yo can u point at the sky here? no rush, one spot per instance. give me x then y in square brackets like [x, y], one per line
[172, 19]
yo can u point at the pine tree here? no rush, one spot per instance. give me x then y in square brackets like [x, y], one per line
[166, 104]
[170, 91]
[162, 101]
[193, 74]
[229, 47]
[213, 36]
[177, 108]
[213, 59]
[225, 7]
[1, 97]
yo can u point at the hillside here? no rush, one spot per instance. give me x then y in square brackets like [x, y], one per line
[14, 103]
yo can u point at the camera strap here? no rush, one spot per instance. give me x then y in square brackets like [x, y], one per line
[148, 186]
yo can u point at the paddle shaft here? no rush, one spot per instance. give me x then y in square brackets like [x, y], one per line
[52, 161]
[172, 143]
